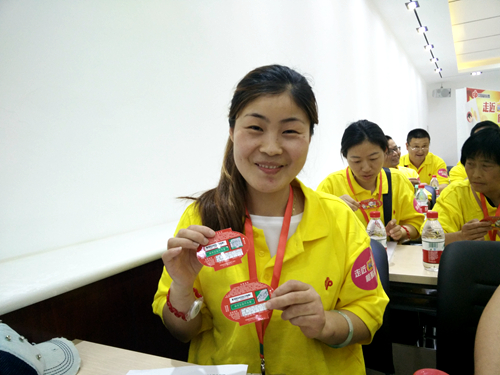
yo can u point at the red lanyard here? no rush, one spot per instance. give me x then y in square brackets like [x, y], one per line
[420, 170]
[278, 265]
[491, 233]
[365, 215]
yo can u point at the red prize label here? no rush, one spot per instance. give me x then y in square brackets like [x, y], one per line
[223, 250]
[494, 220]
[432, 256]
[370, 203]
[246, 302]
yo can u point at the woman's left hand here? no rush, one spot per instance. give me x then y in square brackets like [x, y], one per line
[301, 305]
[394, 230]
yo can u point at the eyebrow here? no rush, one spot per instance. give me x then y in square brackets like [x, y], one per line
[259, 116]
[359, 157]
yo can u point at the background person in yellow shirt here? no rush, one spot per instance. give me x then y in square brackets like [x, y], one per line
[457, 173]
[465, 203]
[421, 160]
[392, 161]
[327, 298]
[364, 146]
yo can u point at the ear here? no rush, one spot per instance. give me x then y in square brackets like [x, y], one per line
[406, 146]
[231, 133]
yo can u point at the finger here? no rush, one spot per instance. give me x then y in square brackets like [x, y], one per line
[304, 309]
[185, 243]
[473, 221]
[290, 299]
[168, 255]
[206, 231]
[390, 225]
[290, 286]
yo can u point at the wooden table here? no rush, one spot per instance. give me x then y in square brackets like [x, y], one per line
[100, 359]
[406, 266]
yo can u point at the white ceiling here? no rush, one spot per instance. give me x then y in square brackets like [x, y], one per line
[465, 35]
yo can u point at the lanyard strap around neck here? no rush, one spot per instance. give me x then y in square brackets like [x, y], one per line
[491, 233]
[365, 215]
[278, 264]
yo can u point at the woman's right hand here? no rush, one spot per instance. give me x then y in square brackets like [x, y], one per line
[475, 230]
[180, 259]
[350, 202]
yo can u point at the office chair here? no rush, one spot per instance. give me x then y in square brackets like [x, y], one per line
[433, 192]
[468, 276]
[378, 354]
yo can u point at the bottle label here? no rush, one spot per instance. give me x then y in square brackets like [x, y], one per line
[420, 208]
[432, 250]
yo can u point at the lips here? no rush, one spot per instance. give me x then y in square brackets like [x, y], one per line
[269, 168]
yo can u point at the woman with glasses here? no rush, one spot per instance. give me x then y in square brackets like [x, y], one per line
[421, 160]
[392, 161]
[363, 184]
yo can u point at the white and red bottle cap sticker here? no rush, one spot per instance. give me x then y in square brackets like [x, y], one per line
[494, 220]
[223, 250]
[245, 303]
[370, 203]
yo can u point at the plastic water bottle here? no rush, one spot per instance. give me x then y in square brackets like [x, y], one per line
[432, 242]
[421, 198]
[435, 184]
[376, 229]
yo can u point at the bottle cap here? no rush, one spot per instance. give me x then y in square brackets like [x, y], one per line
[433, 175]
[432, 215]
[375, 214]
[421, 186]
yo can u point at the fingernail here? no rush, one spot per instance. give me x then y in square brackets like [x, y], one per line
[212, 233]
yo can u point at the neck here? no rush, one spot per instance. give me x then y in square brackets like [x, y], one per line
[494, 197]
[367, 185]
[417, 165]
[267, 204]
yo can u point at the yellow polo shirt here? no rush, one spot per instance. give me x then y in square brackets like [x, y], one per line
[457, 206]
[432, 165]
[323, 252]
[403, 209]
[407, 172]
[457, 173]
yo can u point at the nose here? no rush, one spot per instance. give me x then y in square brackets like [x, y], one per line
[365, 166]
[271, 145]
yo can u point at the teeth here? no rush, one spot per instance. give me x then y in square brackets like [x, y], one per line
[268, 166]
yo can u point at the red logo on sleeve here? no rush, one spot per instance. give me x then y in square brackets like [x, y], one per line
[364, 271]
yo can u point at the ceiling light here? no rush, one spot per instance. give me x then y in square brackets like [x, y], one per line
[412, 5]
[422, 30]
[434, 60]
[438, 70]
[476, 73]
[428, 47]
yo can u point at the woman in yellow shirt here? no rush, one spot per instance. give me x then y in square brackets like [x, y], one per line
[363, 183]
[309, 247]
[465, 204]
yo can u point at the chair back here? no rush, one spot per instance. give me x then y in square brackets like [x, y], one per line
[433, 192]
[378, 354]
[469, 273]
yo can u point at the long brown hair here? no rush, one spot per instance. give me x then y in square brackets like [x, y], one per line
[224, 206]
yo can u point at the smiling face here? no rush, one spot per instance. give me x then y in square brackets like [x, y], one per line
[393, 155]
[271, 139]
[484, 176]
[366, 160]
[418, 148]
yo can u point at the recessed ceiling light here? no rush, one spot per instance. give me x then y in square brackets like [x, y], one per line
[428, 47]
[438, 70]
[434, 60]
[422, 30]
[412, 5]
[476, 73]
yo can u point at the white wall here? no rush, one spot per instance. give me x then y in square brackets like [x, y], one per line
[443, 114]
[111, 109]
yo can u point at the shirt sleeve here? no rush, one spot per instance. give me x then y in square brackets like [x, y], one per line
[441, 171]
[457, 173]
[189, 217]
[358, 295]
[448, 209]
[327, 186]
